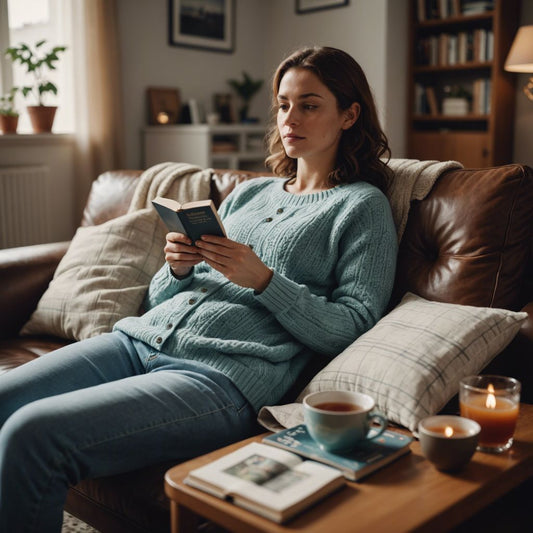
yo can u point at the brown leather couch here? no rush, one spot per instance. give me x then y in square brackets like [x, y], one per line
[470, 242]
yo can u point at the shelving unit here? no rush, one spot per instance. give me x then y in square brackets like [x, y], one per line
[451, 50]
[236, 146]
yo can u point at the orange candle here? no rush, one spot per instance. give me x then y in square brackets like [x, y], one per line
[497, 423]
[493, 402]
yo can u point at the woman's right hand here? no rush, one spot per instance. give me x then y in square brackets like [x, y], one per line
[180, 254]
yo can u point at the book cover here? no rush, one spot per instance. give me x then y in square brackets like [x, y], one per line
[368, 457]
[268, 481]
[194, 218]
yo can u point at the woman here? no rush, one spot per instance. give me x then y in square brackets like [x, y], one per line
[230, 322]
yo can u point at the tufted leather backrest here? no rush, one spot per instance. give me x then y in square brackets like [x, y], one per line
[112, 191]
[469, 241]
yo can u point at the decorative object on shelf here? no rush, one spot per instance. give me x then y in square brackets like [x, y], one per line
[493, 402]
[223, 105]
[202, 24]
[9, 116]
[448, 441]
[164, 105]
[36, 60]
[308, 6]
[246, 89]
[456, 101]
[520, 58]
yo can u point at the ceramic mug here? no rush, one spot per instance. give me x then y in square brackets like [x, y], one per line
[340, 420]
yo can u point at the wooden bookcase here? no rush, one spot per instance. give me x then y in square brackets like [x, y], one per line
[451, 52]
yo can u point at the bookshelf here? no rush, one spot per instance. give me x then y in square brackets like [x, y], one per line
[460, 100]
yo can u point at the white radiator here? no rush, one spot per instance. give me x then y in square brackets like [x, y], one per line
[24, 206]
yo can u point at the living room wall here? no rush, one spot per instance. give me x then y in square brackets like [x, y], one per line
[373, 31]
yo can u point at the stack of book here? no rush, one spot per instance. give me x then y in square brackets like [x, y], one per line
[273, 480]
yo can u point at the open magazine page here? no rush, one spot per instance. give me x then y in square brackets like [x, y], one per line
[262, 478]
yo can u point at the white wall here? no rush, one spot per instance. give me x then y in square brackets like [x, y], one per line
[373, 31]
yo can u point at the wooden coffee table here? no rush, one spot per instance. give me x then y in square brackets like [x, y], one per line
[407, 495]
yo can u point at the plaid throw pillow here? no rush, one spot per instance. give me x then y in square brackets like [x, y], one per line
[412, 360]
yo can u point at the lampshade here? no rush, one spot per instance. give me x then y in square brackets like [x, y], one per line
[520, 58]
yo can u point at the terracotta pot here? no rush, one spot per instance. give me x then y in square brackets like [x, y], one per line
[9, 123]
[42, 117]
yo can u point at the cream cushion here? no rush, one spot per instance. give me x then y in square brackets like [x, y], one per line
[412, 360]
[102, 278]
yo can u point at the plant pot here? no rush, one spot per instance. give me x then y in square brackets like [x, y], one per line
[9, 123]
[42, 117]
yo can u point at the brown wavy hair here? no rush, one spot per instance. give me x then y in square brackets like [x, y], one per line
[363, 146]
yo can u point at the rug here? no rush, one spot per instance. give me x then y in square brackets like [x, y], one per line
[72, 525]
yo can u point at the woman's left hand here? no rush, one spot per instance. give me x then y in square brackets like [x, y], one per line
[236, 261]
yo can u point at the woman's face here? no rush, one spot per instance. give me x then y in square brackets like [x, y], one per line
[309, 121]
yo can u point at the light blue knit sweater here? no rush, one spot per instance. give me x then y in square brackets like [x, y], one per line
[333, 254]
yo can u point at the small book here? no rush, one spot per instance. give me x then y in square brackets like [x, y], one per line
[270, 482]
[368, 457]
[194, 218]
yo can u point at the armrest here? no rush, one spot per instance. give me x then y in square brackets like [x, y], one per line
[25, 273]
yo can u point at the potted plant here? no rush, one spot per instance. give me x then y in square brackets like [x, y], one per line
[9, 117]
[246, 89]
[36, 60]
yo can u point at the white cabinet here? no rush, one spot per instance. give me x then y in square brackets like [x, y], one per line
[236, 146]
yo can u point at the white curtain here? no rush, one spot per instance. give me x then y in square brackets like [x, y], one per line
[98, 122]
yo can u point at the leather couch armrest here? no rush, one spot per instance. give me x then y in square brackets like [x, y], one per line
[25, 273]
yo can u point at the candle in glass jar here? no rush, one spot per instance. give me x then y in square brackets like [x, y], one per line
[497, 416]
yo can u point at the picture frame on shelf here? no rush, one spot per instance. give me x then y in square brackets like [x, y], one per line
[202, 24]
[164, 105]
[309, 6]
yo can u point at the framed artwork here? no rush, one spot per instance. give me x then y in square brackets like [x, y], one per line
[203, 24]
[308, 6]
[164, 105]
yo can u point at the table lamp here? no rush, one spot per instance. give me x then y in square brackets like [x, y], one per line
[520, 58]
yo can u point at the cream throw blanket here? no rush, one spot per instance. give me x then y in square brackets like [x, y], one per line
[104, 275]
[412, 180]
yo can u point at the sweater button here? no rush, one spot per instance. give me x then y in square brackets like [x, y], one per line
[269, 219]
[279, 211]
[192, 301]
[159, 340]
[169, 326]
[203, 289]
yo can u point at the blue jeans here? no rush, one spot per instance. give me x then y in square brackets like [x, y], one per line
[100, 407]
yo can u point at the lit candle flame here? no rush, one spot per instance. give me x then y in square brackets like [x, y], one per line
[491, 399]
[163, 117]
[448, 431]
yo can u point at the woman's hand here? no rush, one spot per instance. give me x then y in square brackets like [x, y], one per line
[236, 261]
[180, 254]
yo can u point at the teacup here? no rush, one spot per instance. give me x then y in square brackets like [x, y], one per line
[339, 420]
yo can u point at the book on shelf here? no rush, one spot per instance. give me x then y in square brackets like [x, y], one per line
[432, 101]
[367, 457]
[268, 481]
[193, 218]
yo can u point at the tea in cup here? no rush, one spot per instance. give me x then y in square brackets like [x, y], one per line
[339, 420]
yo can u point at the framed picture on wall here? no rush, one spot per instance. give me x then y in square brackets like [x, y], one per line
[308, 6]
[203, 24]
[164, 105]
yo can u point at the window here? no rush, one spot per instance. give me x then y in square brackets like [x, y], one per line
[29, 21]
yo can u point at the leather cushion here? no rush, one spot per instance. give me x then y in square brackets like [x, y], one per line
[472, 233]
